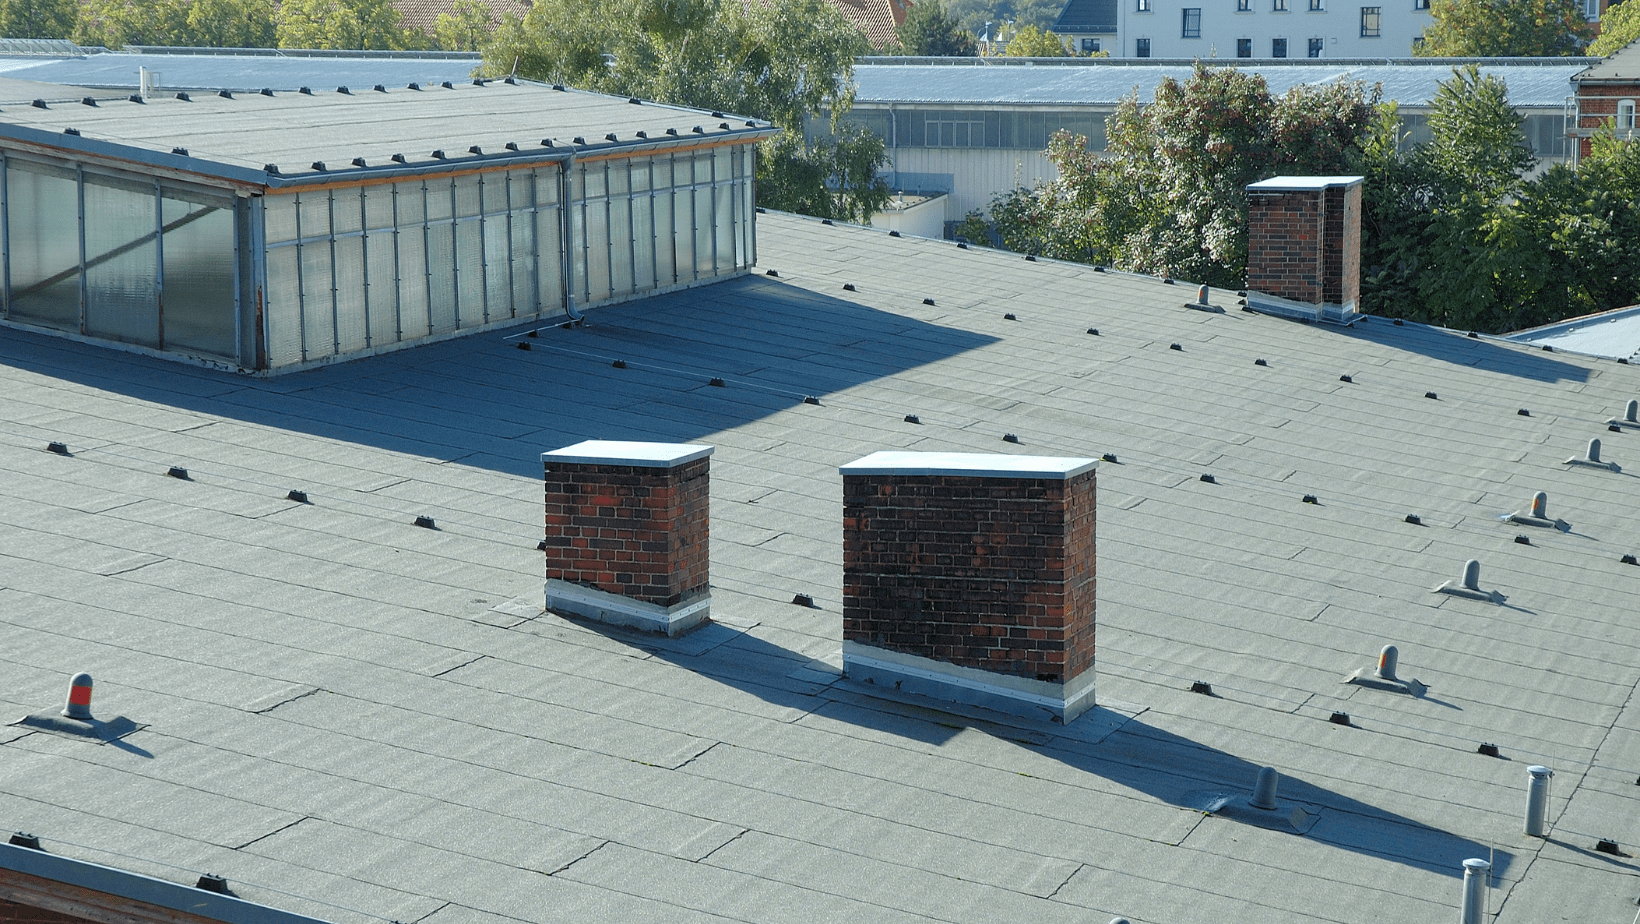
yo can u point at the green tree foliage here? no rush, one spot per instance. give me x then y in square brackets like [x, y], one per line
[780, 61]
[38, 19]
[466, 27]
[344, 24]
[1031, 42]
[928, 30]
[1619, 26]
[1505, 28]
[972, 15]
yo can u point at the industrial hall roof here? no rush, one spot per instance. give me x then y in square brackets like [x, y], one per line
[246, 69]
[348, 716]
[1532, 82]
[326, 134]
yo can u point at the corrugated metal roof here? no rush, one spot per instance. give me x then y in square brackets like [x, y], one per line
[1534, 85]
[274, 70]
[233, 138]
[1612, 334]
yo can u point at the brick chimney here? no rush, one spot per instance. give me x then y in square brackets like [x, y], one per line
[627, 527]
[969, 578]
[1304, 246]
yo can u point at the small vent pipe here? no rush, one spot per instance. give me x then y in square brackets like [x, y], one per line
[1472, 575]
[79, 697]
[1631, 413]
[1594, 450]
[1475, 875]
[1540, 505]
[1537, 799]
[1387, 659]
[1264, 788]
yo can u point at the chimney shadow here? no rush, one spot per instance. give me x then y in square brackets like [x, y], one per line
[1481, 353]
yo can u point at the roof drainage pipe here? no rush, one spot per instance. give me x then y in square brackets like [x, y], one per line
[567, 227]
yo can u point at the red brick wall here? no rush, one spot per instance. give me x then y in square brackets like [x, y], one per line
[13, 913]
[631, 530]
[1597, 103]
[989, 573]
[1284, 240]
[1341, 245]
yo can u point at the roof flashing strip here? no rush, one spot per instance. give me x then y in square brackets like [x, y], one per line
[969, 465]
[146, 889]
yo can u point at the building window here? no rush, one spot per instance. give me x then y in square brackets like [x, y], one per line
[1317, 6]
[1420, 4]
[1090, 45]
[1278, 48]
[1625, 115]
[1371, 18]
[1143, 6]
[1278, 6]
[1315, 48]
[1244, 6]
[1591, 10]
[955, 134]
[1141, 48]
[1244, 48]
[1192, 22]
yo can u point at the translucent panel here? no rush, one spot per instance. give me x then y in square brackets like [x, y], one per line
[318, 327]
[592, 180]
[378, 207]
[661, 168]
[620, 177]
[597, 250]
[704, 261]
[470, 273]
[278, 219]
[748, 157]
[42, 207]
[413, 314]
[381, 287]
[620, 245]
[703, 169]
[199, 278]
[409, 199]
[468, 201]
[313, 211]
[351, 331]
[121, 264]
[345, 210]
[284, 312]
[640, 173]
[723, 223]
[643, 243]
[498, 283]
[576, 245]
[722, 164]
[683, 235]
[549, 263]
[522, 259]
[546, 186]
[441, 277]
[438, 200]
[744, 224]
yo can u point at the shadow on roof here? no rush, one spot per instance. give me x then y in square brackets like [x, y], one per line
[481, 401]
[1453, 347]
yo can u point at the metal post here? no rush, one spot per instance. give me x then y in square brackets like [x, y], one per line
[1475, 875]
[1537, 799]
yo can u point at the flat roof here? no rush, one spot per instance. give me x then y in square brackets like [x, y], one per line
[1612, 334]
[235, 136]
[242, 69]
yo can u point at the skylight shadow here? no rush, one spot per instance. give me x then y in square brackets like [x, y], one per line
[640, 370]
[1481, 353]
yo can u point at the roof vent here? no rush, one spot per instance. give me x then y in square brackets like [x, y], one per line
[412, 86]
[1431, 395]
[308, 91]
[1631, 415]
[448, 85]
[672, 131]
[1490, 750]
[718, 383]
[58, 448]
[1109, 457]
[1209, 479]
[266, 91]
[438, 154]
[211, 882]
[928, 301]
[1345, 379]
[178, 472]
[1202, 687]
[397, 158]
[319, 165]
[379, 88]
[184, 97]
[1592, 458]
[225, 94]
[426, 522]
[618, 364]
[1523, 412]
[1260, 362]
[26, 840]
[1339, 718]
[299, 497]
[181, 152]
[512, 145]
[358, 162]
[1470, 585]
[88, 101]
[1382, 675]
[1009, 438]
[611, 137]
[71, 131]
[578, 140]
[79, 697]
[137, 98]
[475, 149]
[1094, 331]
[39, 104]
[1264, 789]
[913, 419]
[1414, 519]
[271, 168]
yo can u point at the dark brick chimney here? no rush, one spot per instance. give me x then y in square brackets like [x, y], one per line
[1304, 246]
[627, 526]
[969, 577]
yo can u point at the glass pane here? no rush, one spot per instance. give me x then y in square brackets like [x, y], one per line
[345, 214]
[640, 174]
[469, 274]
[438, 200]
[592, 180]
[381, 290]
[468, 202]
[723, 220]
[597, 250]
[279, 218]
[643, 243]
[683, 235]
[44, 230]
[550, 276]
[409, 199]
[313, 209]
[620, 178]
[199, 261]
[351, 333]
[121, 264]
[523, 260]
[378, 207]
[413, 315]
[498, 284]
[663, 172]
[620, 245]
[318, 318]
[546, 185]
[441, 278]
[703, 232]
[284, 308]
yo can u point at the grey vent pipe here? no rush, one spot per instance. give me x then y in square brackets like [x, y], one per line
[1630, 412]
[1594, 450]
[1475, 875]
[1537, 799]
[1472, 575]
[1387, 660]
[1264, 788]
[1540, 505]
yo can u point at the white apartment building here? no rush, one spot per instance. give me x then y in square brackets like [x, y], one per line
[1269, 28]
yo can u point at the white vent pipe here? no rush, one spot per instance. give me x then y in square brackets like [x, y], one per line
[1537, 799]
[1475, 875]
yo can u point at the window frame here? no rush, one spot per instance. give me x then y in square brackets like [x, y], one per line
[1316, 47]
[1374, 15]
[1628, 115]
[1191, 14]
[1141, 48]
[1244, 48]
[1142, 6]
[1278, 43]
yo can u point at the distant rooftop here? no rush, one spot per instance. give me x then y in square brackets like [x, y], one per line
[1611, 334]
[247, 69]
[1086, 16]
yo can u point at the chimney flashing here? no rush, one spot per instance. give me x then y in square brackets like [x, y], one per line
[1304, 247]
[624, 452]
[914, 675]
[969, 465]
[1301, 183]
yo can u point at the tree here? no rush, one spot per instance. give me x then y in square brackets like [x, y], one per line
[972, 15]
[231, 24]
[38, 19]
[343, 24]
[1031, 42]
[1618, 27]
[1505, 28]
[466, 27]
[927, 30]
[203, 23]
[780, 61]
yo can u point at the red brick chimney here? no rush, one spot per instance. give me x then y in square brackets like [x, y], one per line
[969, 578]
[627, 530]
[1304, 246]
